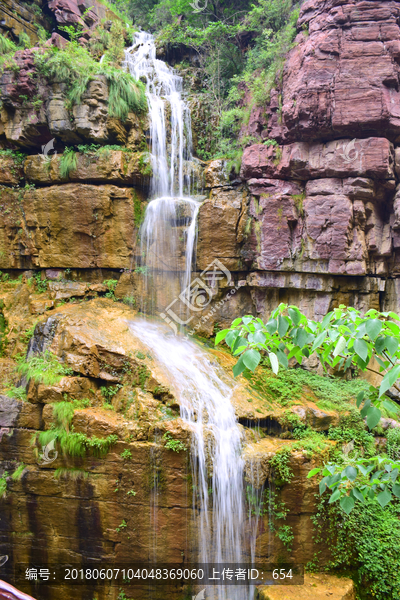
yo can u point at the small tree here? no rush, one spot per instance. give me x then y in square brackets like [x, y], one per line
[344, 339]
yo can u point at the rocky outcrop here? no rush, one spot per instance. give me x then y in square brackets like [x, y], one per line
[67, 509]
[318, 221]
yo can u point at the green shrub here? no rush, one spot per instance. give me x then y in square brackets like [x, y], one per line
[367, 541]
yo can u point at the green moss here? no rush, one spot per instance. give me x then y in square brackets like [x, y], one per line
[293, 385]
[139, 209]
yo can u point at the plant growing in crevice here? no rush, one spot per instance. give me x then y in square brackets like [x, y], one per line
[43, 368]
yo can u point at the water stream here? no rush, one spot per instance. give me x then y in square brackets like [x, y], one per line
[204, 391]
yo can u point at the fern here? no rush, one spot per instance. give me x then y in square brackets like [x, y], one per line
[68, 162]
[63, 413]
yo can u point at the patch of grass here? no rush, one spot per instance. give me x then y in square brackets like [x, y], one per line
[16, 392]
[16, 476]
[70, 473]
[3, 485]
[44, 368]
[68, 162]
[76, 444]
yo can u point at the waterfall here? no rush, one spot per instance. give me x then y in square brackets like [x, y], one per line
[170, 127]
[168, 234]
[204, 391]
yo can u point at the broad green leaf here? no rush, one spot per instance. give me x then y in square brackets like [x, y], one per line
[331, 468]
[236, 322]
[396, 490]
[361, 348]
[283, 325]
[357, 494]
[295, 315]
[390, 405]
[394, 328]
[382, 363]
[259, 337]
[313, 472]
[384, 498]
[231, 337]
[239, 345]
[350, 472]
[301, 338]
[221, 335]
[248, 319]
[347, 504]
[389, 379]
[326, 320]
[273, 359]
[365, 408]
[282, 358]
[319, 340]
[340, 346]
[323, 484]
[373, 327]
[392, 345]
[360, 398]
[380, 344]
[251, 358]
[335, 496]
[271, 326]
[239, 367]
[373, 417]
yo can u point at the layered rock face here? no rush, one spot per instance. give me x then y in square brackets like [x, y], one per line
[322, 183]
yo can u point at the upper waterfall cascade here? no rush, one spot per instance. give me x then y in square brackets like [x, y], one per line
[170, 126]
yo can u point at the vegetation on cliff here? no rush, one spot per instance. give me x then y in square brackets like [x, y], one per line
[240, 49]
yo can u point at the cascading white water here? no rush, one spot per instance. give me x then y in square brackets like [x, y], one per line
[170, 134]
[168, 243]
[205, 392]
[168, 233]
